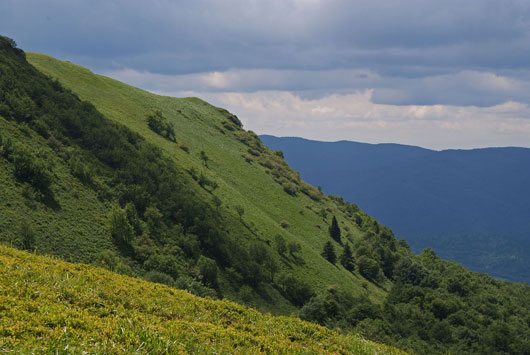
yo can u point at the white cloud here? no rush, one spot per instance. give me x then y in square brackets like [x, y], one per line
[355, 117]
[347, 104]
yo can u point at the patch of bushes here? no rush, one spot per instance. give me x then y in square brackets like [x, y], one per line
[161, 125]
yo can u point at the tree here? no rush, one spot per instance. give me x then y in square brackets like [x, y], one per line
[295, 290]
[294, 248]
[334, 230]
[27, 236]
[281, 245]
[216, 202]
[329, 253]
[204, 158]
[368, 267]
[159, 124]
[346, 258]
[240, 211]
[208, 270]
[120, 228]
[271, 266]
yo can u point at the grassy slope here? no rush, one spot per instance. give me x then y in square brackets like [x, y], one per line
[240, 183]
[76, 230]
[47, 305]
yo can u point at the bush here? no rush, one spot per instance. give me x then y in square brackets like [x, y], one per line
[188, 283]
[295, 290]
[294, 248]
[27, 236]
[121, 230]
[208, 270]
[290, 188]
[159, 277]
[184, 147]
[281, 245]
[160, 125]
[29, 168]
[368, 267]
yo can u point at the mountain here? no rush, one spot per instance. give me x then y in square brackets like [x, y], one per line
[63, 307]
[177, 192]
[469, 205]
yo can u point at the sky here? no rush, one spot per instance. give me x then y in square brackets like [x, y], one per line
[438, 74]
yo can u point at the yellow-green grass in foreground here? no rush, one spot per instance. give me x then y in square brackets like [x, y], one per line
[47, 305]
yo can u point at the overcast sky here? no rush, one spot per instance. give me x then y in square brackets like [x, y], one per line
[439, 74]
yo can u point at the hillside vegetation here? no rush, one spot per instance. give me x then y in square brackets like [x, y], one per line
[50, 306]
[259, 201]
[175, 191]
[468, 205]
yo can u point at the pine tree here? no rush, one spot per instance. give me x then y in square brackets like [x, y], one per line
[346, 258]
[334, 230]
[329, 253]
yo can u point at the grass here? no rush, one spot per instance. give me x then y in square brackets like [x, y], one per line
[75, 229]
[51, 306]
[198, 125]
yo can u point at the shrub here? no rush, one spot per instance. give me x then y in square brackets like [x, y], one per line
[160, 125]
[27, 236]
[294, 248]
[159, 277]
[368, 267]
[208, 270]
[204, 158]
[295, 290]
[281, 244]
[205, 182]
[29, 168]
[247, 157]
[235, 120]
[184, 147]
[290, 188]
[121, 230]
[240, 211]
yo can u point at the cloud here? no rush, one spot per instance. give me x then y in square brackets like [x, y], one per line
[204, 35]
[356, 117]
[464, 88]
[456, 72]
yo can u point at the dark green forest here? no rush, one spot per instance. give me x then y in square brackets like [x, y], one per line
[164, 230]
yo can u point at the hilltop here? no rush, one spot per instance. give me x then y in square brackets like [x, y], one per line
[468, 205]
[177, 192]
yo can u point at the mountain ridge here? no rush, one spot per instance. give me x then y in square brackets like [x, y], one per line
[428, 195]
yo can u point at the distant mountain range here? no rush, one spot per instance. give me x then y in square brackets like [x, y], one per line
[472, 206]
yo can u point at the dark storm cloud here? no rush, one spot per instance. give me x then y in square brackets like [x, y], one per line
[192, 36]
[408, 52]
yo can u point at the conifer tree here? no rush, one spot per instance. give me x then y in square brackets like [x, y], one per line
[329, 253]
[346, 258]
[334, 230]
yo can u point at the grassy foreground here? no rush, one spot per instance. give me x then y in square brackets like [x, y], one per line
[47, 305]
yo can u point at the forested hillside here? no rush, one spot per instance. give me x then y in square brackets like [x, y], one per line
[468, 205]
[177, 192]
